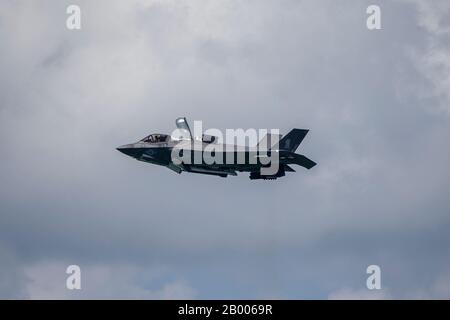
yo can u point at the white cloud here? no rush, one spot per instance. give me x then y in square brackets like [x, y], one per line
[359, 294]
[433, 61]
[434, 64]
[47, 280]
[434, 16]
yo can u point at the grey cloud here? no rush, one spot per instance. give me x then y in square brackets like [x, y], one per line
[369, 98]
[13, 278]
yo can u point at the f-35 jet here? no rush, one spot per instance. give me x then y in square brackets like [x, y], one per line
[269, 159]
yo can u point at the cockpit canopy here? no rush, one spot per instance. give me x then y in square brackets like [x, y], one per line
[156, 138]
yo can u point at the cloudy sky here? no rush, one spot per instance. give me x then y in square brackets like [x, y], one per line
[377, 104]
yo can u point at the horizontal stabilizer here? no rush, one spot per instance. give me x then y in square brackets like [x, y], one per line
[303, 161]
[288, 168]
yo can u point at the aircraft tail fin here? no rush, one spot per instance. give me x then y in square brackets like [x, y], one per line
[292, 140]
[269, 141]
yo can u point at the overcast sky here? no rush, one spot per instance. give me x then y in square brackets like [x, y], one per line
[377, 104]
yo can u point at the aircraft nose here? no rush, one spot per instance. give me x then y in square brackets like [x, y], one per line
[126, 149]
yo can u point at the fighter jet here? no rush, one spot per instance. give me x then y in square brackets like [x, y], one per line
[182, 152]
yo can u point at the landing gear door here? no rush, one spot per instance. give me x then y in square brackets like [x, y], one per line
[183, 129]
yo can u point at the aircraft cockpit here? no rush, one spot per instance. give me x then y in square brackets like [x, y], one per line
[156, 138]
